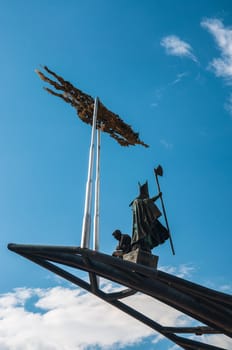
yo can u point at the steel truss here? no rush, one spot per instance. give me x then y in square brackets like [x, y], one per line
[212, 308]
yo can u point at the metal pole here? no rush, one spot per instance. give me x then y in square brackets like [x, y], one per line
[97, 195]
[165, 216]
[85, 237]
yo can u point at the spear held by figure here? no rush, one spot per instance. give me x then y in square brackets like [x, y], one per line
[159, 172]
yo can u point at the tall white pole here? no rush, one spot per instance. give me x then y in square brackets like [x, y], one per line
[97, 195]
[85, 237]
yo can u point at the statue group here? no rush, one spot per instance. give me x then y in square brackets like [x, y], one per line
[147, 230]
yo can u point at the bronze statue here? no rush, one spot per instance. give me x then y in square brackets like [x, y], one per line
[147, 231]
[124, 245]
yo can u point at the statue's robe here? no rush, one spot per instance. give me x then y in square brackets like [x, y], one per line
[148, 232]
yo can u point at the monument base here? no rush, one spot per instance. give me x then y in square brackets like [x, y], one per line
[140, 256]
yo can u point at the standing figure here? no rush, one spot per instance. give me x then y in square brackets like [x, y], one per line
[124, 245]
[147, 230]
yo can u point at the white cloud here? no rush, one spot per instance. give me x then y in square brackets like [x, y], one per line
[216, 340]
[221, 341]
[63, 318]
[182, 271]
[154, 104]
[166, 144]
[67, 319]
[158, 95]
[222, 66]
[177, 47]
[178, 79]
[228, 105]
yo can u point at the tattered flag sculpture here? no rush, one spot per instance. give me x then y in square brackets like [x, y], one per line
[84, 105]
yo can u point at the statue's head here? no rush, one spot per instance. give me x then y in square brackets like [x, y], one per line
[117, 234]
[143, 190]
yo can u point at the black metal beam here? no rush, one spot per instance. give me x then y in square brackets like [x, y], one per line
[196, 308]
[209, 307]
[185, 343]
[199, 309]
[194, 330]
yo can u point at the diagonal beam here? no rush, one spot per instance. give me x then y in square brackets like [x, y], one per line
[125, 273]
[185, 343]
[195, 330]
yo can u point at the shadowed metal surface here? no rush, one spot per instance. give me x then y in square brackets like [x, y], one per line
[212, 308]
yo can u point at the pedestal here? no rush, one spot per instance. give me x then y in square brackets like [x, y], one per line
[140, 256]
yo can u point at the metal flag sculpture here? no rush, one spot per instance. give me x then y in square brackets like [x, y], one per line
[84, 105]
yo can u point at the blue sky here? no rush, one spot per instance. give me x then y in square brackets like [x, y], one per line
[166, 68]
